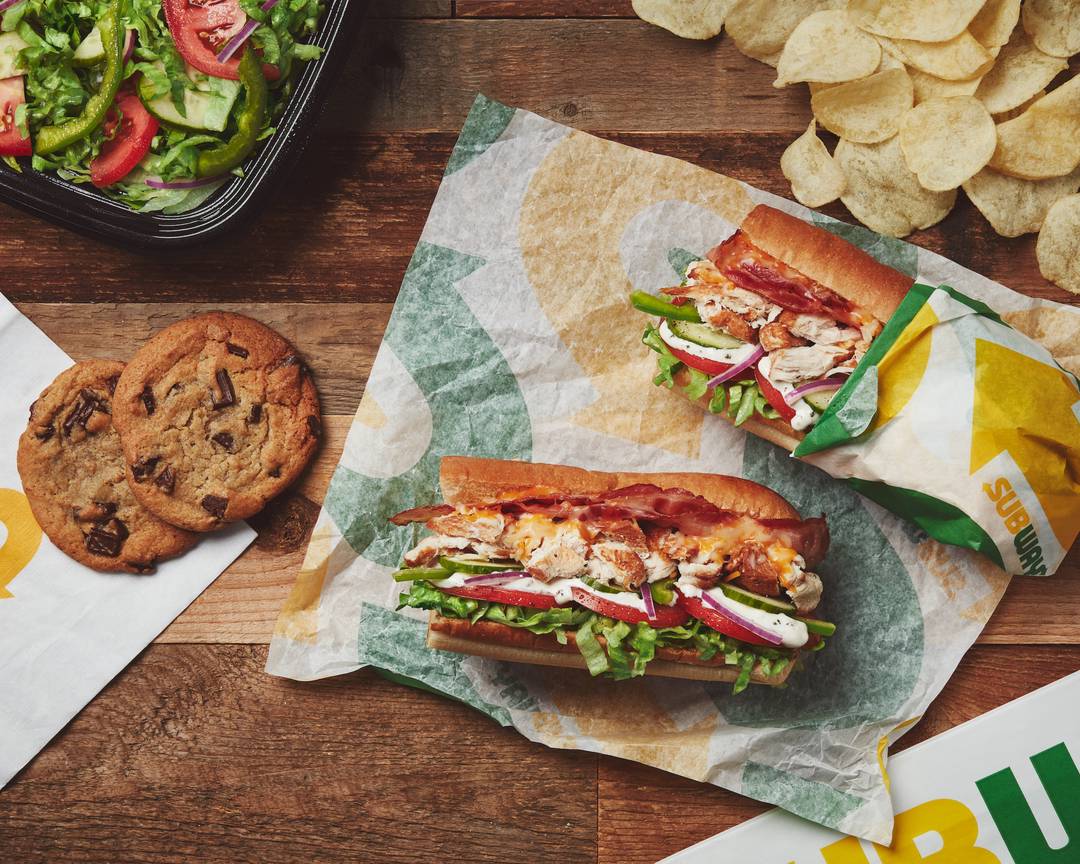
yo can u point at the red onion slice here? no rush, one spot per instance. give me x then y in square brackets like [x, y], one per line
[745, 623]
[243, 35]
[833, 382]
[154, 183]
[129, 45]
[650, 606]
[496, 578]
[738, 368]
[7, 4]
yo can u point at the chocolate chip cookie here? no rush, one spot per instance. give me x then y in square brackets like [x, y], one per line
[72, 470]
[217, 414]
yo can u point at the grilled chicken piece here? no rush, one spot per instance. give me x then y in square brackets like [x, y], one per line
[617, 564]
[558, 557]
[819, 329]
[715, 315]
[757, 572]
[487, 527]
[705, 575]
[623, 531]
[430, 548]
[775, 336]
[804, 589]
[789, 365]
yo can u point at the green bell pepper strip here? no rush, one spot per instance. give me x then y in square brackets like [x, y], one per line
[219, 160]
[652, 305]
[53, 138]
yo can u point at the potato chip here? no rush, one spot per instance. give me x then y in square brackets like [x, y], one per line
[1014, 206]
[1020, 72]
[865, 111]
[946, 141]
[815, 178]
[1019, 109]
[827, 47]
[759, 28]
[959, 59]
[887, 62]
[1044, 141]
[921, 20]
[1058, 241]
[883, 194]
[932, 87]
[1054, 25]
[995, 22]
[691, 19]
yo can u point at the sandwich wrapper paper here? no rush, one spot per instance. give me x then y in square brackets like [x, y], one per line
[512, 338]
[67, 630]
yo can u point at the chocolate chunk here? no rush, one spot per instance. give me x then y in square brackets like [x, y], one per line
[256, 414]
[110, 383]
[147, 397]
[105, 510]
[166, 480]
[227, 395]
[107, 539]
[275, 471]
[97, 512]
[224, 439]
[236, 349]
[291, 360]
[144, 467]
[46, 433]
[80, 413]
[214, 505]
[176, 388]
[314, 425]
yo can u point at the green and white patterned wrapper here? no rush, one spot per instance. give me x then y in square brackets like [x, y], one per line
[512, 338]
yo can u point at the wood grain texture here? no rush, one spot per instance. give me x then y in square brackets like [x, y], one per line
[543, 9]
[631, 795]
[195, 754]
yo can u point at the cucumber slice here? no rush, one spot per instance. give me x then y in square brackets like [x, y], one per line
[756, 601]
[416, 574]
[90, 51]
[10, 46]
[821, 628]
[819, 400]
[703, 334]
[475, 564]
[204, 110]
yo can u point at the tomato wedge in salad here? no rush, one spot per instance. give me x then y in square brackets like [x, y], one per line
[12, 141]
[493, 594]
[709, 367]
[774, 397]
[666, 616]
[202, 28]
[129, 132]
[710, 617]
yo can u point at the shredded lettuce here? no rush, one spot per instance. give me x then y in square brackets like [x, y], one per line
[627, 649]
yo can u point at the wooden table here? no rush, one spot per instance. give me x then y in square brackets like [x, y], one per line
[193, 753]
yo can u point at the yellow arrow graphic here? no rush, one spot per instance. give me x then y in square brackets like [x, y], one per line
[1026, 408]
[22, 540]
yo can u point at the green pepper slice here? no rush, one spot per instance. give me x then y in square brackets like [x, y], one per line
[53, 138]
[249, 123]
[653, 305]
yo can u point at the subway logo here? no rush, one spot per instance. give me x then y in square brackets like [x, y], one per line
[1018, 523]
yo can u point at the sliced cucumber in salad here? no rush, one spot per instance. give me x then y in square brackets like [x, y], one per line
[821, 628]
[820, 399]
[756, 601]
[90, 51]
[10, 46]
[420, 574]
[203, 110]
[703, 334]
[475, 564]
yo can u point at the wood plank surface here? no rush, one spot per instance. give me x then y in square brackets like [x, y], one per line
[193, 753]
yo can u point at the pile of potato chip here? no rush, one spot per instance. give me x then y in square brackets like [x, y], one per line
[926, 97]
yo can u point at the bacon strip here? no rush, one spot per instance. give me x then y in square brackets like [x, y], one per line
[751, 268]
[644, 502]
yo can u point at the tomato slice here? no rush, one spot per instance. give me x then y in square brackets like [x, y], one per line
[720, 623]
[202, 28]
[494, 594]
[12, 95]
[666, 616]
[129, 130]
[774, 397]
[709, 367]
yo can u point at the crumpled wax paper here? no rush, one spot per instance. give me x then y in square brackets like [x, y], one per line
[512, 337]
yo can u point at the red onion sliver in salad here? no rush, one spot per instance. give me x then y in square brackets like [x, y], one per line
[496, 578]
[831, 383]
[245, 33]
[738, 368]
[745, 623]
[7, 4]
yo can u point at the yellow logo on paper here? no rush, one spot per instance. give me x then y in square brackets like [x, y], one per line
[1025, 407]
[23, 537]
[902, 368]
